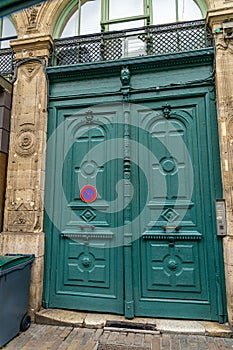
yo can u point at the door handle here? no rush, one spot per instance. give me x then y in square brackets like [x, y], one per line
[171, 228]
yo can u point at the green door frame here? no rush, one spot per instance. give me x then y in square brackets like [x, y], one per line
[62, 94]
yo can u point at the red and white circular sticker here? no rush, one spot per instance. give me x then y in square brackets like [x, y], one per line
[88, 194]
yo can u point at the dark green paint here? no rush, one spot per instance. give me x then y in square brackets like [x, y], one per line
[9, 6]
[154, 275]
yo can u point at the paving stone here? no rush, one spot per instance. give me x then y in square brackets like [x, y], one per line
[87, 336]
[98, 334]
[95, 320]
[166, 342]
[41, 337]
[183, 342]
[130, 339]
[112, 337]
[156, 344]
[138, 339]
[180, 327]
[68, 340]
[220, 344]
[120, 347]
[121, 338]
[60, 317]
[215, 329]
[211, 346]
[148, 339]
[104, 337]
[229, 343]
[175, 341]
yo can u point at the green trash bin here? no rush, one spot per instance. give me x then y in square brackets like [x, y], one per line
[15, 270]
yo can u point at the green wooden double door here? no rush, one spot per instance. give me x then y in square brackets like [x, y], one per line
[147, 245]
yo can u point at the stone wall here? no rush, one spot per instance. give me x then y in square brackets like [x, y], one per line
[24, 206]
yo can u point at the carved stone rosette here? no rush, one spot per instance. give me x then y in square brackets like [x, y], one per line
[25, 143]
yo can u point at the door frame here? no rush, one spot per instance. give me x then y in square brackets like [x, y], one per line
[60, 98]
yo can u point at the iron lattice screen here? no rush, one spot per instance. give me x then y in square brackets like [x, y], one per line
[6, 61]
[149, 40]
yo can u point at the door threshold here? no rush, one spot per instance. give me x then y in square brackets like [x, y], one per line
[70, 318]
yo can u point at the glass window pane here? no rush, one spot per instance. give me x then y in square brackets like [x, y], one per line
[90, 17]
[126, 25]
[90, 20]
[188, 10]
[8, 30]
[71, 27]
[125, 8]
[164, 11]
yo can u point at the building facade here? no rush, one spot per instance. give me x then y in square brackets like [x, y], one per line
[120, 152]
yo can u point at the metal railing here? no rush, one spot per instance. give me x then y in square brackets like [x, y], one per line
[6, 58]
[145, 41]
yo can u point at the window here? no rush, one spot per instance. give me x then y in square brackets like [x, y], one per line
[123, 14]
[7, 32]
[167, 11]
[93, 16]
[86, 20]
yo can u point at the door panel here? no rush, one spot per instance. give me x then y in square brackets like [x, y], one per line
[86, 265]
[174, 264]
[171, 257]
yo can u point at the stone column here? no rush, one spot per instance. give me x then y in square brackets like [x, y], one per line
[224, 89]
[23, 219]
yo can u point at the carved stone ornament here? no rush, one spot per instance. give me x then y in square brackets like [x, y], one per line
[89, 116]
[31, 69]
[25, 143]
[225, 45]
[32, 14]
[125, 76]
[19, 219]
[166, 110]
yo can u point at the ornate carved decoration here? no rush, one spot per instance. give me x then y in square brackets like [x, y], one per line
[30, 69]
[89, 116]
[188, 235]
[172, 264]
[88, 235]
[25, 143]
[32, 15]
[170, 215]
[20, 219]
[125, 76]
[166, 110]
[88, 215]
[225, 45]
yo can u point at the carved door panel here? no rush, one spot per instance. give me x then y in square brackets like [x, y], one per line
[148, 248]
[175, 275]
[87, 262]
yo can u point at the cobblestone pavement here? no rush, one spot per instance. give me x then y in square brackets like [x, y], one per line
[44, 337]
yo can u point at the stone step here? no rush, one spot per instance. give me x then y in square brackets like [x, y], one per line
[60, 317]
